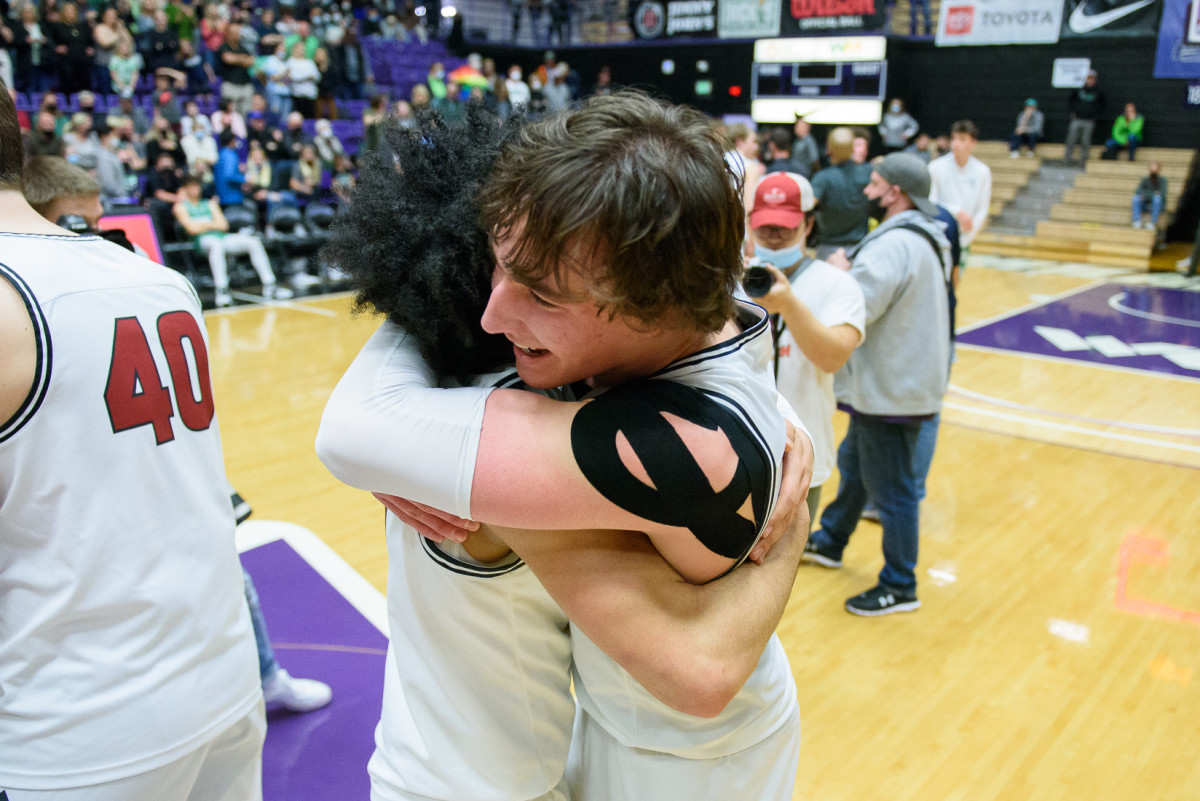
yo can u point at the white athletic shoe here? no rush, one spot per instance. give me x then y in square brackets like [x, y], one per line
[1013, 154]
[297, 695]
[304, 280]
[223, 298]
[274, 292]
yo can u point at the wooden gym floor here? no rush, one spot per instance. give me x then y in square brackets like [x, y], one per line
[1057, 654]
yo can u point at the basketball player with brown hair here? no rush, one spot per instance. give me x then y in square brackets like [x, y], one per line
[678, 437]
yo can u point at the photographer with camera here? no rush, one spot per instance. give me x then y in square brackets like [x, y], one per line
[817, 311]
[69, 197]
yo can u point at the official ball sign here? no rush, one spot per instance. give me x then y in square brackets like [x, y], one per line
[823, 16]
[695, 19]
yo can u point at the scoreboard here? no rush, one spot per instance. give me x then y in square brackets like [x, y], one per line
[827, 80]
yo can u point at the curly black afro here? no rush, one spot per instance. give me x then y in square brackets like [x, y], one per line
[409, 237]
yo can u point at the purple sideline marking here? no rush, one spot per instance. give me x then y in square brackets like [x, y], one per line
[1088, 313]
[321, 754]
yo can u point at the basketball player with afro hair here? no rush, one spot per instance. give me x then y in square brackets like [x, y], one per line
[477, 643]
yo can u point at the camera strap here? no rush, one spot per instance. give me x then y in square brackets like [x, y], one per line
[778, 325]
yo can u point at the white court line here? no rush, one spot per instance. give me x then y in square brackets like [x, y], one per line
[296, 305]
[1045, 300]
[361, 594]
[1013, 418]
[1191, 433]
[1115, 303]
[1118, 368]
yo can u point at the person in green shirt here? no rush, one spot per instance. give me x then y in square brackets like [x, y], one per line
[302, 34]
[182, 18]
[207, 226]
[1126, 132]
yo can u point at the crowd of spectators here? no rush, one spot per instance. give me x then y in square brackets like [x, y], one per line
[154, 96]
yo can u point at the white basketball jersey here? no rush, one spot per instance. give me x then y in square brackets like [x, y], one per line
[476, 699]
[125, 641]
[737, 376]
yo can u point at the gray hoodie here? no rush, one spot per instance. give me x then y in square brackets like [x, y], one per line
[903, 365]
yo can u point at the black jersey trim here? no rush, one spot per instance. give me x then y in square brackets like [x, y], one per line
[761, 439]
[72, 237]
[758, 321]
[43, 359]
[448, 562]
[510, 380]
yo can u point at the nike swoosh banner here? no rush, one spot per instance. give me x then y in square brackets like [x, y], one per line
[1178, 54]
[1095, 19]
[992, 22]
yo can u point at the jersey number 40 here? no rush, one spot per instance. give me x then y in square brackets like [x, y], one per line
[135, 394]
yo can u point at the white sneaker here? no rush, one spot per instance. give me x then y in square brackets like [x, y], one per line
[274, 292]
[1185, 262]
[297, 695]
[1012, 154]
[1137, 223]
[1028, 154]
[304, 280]
[223, 298]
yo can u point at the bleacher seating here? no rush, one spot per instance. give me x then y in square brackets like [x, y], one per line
[1092, 222]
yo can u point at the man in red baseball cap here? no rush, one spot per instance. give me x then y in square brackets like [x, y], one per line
[818, 310]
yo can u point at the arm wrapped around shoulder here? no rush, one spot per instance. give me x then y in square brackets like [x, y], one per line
[388, 428]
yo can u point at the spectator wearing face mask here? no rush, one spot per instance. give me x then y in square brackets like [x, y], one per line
[821, 316]
[193, 120]
[519, 93]
[199, 146]
[43, 140]
[897, 127]
[328, 146]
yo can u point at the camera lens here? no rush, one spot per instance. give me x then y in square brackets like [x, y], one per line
[757, 281]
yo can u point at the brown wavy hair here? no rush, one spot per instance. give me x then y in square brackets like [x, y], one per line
[12, 150]
[635, 184]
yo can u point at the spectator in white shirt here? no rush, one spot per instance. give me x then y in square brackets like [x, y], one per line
[518, 91]
[199, 146]
[192, 120]
[962, 183]
[304, 77]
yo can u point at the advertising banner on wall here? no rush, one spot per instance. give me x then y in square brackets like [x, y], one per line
[1093, 19]
[992, 22]
[815, 17]
[1178, 53]
[748, 19]
[669, 19]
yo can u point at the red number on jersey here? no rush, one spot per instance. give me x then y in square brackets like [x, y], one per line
[135, 394]
[173, 328]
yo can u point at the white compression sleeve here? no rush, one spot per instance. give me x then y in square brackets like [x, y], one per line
[388, 428]
[790, 415]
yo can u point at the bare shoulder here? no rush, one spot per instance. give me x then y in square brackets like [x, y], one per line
[18, 351]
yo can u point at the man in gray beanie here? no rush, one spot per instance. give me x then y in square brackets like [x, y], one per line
[893, 382]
